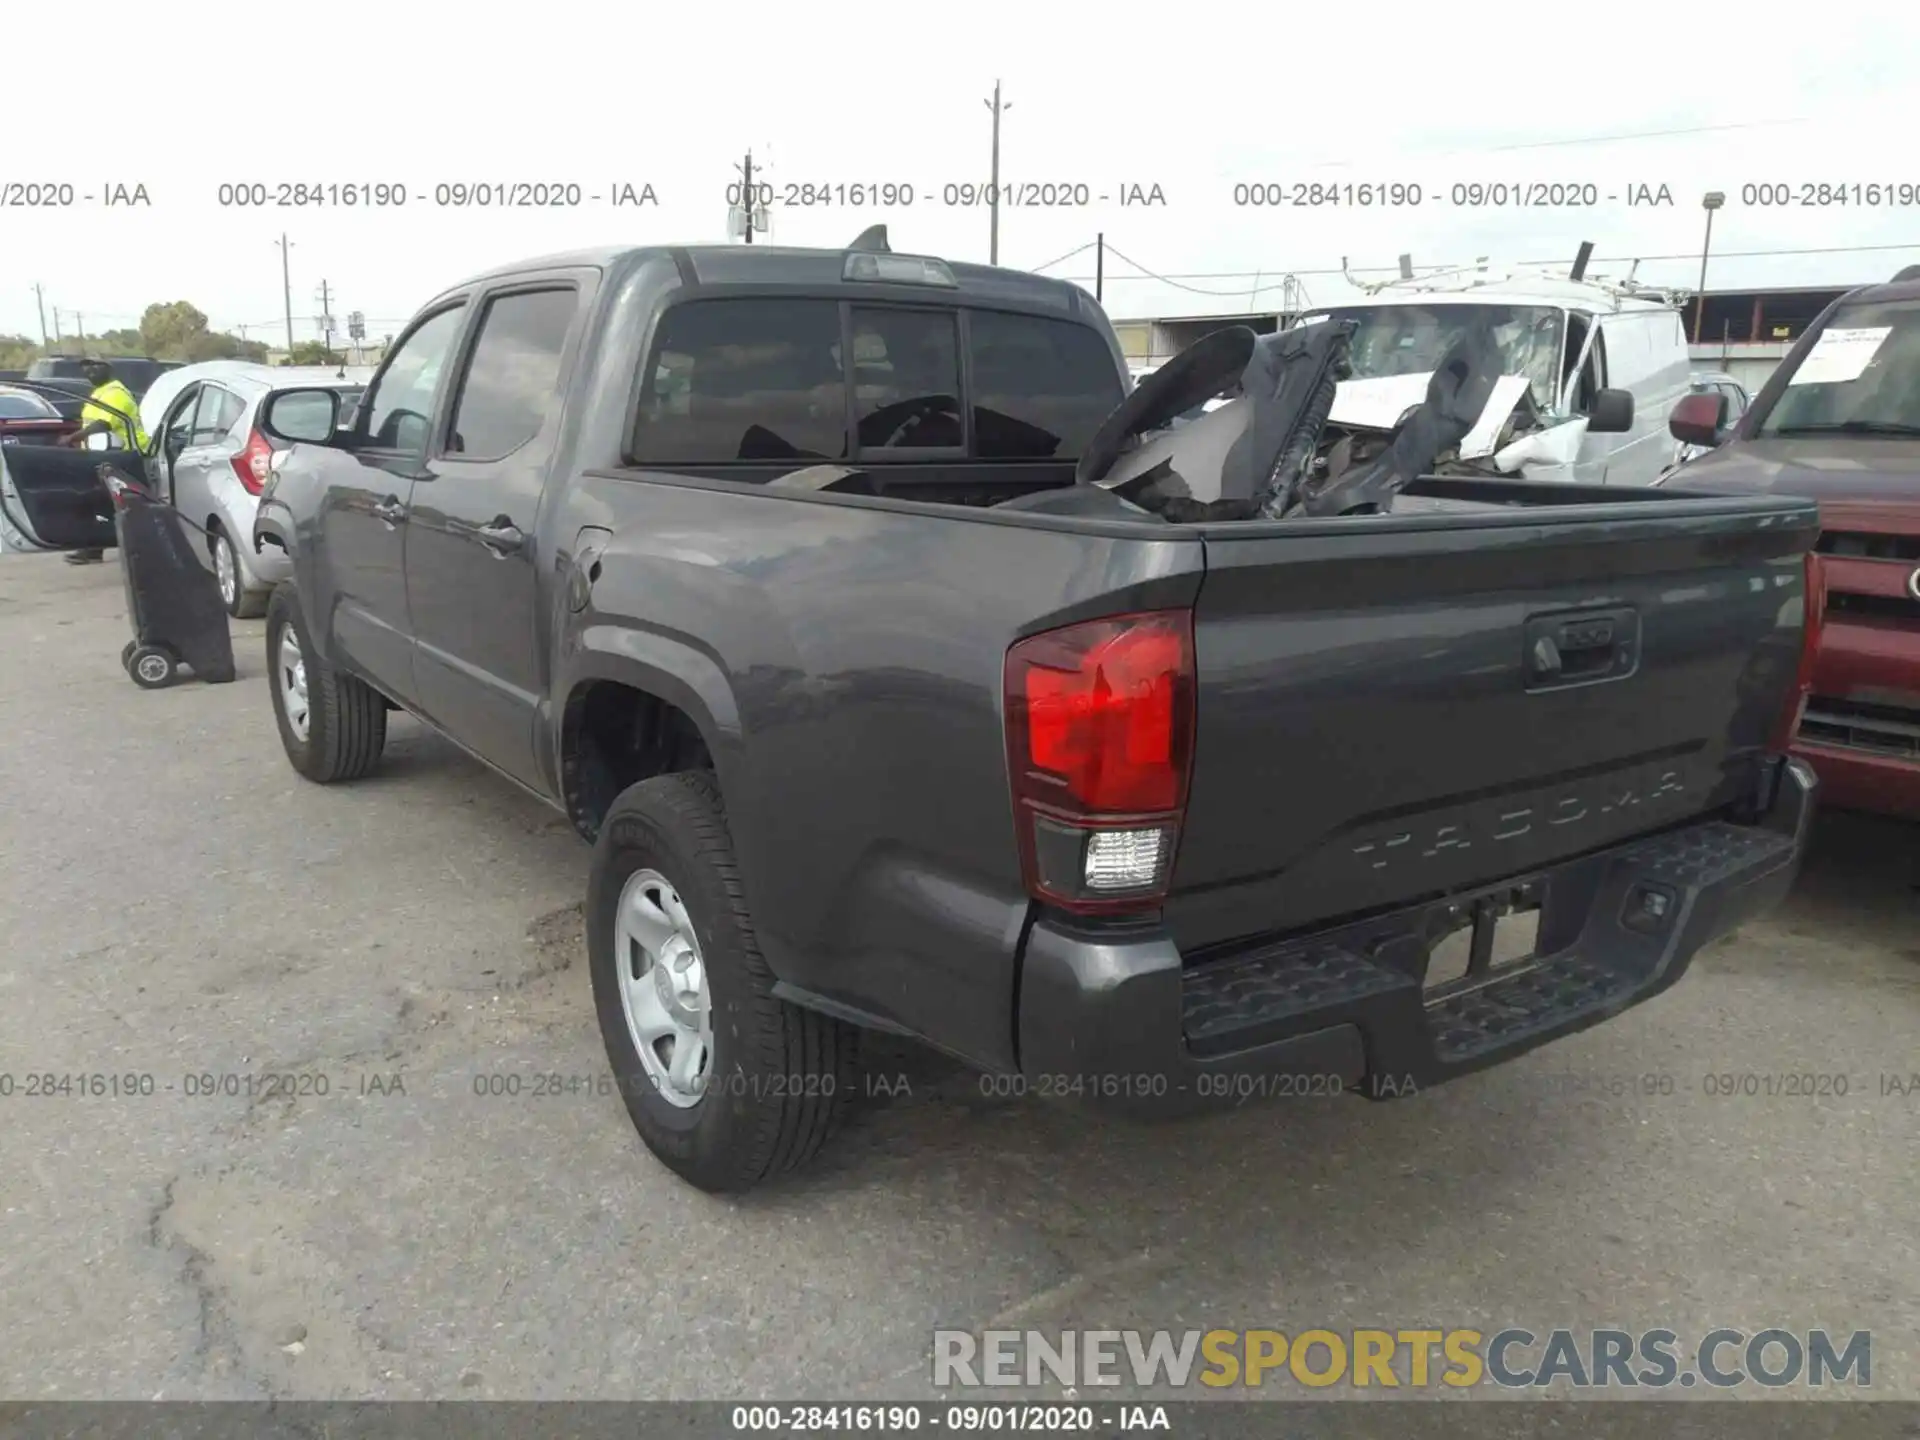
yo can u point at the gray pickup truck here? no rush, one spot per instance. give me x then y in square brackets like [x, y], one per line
[722, 552]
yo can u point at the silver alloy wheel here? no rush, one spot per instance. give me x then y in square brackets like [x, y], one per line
[227, 567]
[290, 673]
[663, 987]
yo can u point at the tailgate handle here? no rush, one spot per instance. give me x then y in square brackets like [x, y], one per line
[1583, 648]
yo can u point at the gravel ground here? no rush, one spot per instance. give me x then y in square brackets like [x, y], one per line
[179, 904]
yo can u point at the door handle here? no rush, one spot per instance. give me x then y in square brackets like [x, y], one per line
[502, 537]
[390, 510]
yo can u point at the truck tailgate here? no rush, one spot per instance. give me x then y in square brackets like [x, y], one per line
[1396, 707]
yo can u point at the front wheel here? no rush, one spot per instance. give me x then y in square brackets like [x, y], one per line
[727, 1085]
[333, 726]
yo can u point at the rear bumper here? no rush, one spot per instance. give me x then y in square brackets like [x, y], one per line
[1121, 1019]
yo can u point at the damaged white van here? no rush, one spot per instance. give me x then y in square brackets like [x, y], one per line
[1591, 370]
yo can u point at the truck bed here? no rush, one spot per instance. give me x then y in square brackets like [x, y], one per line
[1367, 731]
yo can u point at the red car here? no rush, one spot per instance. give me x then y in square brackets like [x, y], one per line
[29, 418]
[1839, 423]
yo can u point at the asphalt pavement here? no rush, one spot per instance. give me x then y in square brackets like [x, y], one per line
[410, 1210]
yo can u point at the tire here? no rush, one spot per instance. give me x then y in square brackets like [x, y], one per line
[778, 1077]
[241, 603]
[152, 668]
[126, 654]
[346, 719]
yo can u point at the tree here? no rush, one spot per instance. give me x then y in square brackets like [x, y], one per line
[168, 331]
[310, 352]
[174, 330]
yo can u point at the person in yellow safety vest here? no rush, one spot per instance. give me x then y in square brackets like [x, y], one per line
[112, 411]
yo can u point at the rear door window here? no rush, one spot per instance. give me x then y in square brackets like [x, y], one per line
[514, 373]
[744, 380]
[214, 417]
[1040, 387]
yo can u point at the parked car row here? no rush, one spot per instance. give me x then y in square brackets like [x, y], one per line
[206, 456]
[791, 579]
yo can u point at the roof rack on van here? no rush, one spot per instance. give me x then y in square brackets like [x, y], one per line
[1479, 275]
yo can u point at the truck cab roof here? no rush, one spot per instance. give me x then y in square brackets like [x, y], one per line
[801, 268]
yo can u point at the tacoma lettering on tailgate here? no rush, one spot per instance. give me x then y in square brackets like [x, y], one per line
[1571, 808]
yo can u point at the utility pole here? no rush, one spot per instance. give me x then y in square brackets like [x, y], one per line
[323, 322]
[993, 200]
[1099, 264]
[286, 286]
[747, 197]
[57, 341]
[40, 300]
[80, 325]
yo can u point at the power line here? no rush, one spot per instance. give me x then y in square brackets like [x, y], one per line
[1077, 250]
[1176, 278]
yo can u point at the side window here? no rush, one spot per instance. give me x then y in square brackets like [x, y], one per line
[215, 414]
[177, 428]
[399, 407]
[513, 375]
[744, 379]
[1041, 387]
[1593, 375]
[906, 380]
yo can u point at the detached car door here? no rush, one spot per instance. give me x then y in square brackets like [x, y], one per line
[54, 498]
[473, 560]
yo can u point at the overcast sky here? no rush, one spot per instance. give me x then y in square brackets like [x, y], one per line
[1193, 100]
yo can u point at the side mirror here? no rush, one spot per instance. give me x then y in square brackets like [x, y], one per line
[1611, 413]
[302, 417]
[1696, 420]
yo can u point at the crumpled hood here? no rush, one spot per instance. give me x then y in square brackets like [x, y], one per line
[1379, 403]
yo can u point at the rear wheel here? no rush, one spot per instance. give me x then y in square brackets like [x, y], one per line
[332, 725]
[241, 603]
[727, 1085]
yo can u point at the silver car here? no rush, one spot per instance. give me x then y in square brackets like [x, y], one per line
[209, 461]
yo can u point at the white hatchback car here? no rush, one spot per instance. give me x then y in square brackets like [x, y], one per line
[208, 460]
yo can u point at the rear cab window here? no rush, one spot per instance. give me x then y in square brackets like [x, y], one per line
[809, 380]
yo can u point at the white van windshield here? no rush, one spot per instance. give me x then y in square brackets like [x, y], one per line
[1405, 339]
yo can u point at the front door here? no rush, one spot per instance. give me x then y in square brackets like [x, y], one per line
[473, 558]
[364, 508]
[170, 442]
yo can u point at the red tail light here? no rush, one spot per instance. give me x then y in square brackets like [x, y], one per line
[1099, 750]
[254, 464]
[1816, 613]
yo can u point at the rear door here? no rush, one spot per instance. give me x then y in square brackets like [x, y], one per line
[472, 553]
[1376, 725]
[207, 449]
